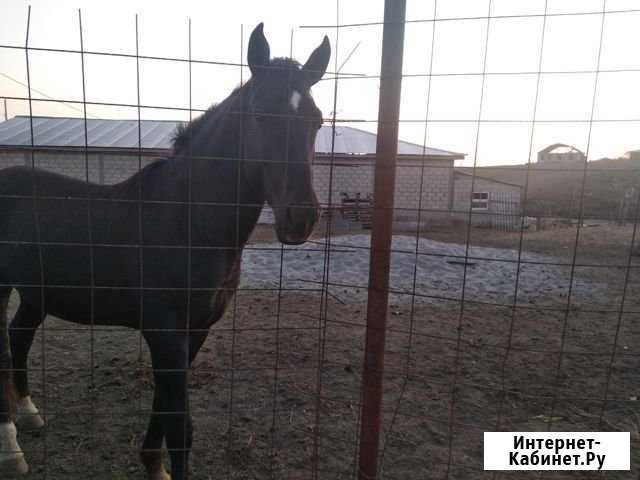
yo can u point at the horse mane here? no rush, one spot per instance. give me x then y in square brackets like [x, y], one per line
[284, 64]
[185, 130]
[182, 134]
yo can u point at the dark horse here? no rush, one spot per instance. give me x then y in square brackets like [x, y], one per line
[169, 264]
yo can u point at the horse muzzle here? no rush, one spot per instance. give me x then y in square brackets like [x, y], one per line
[296, 223]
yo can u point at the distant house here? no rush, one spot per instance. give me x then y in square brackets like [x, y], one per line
[633, 155]
[560, 154]
[347, 158]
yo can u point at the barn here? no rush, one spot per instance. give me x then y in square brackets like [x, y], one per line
[113, 155]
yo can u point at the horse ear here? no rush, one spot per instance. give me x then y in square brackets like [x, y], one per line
[315, 67]
[258, 52]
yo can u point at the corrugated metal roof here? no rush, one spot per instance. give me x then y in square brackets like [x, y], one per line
[157, 134]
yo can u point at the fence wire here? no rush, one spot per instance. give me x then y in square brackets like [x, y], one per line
[492, 325]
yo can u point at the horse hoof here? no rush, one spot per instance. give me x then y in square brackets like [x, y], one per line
[28, 417]
[13, 465]
[11, 457]
[152, 461]
[160, 474]
[30, 422]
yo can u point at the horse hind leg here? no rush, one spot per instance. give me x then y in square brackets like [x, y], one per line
[21, 332]
[12, 460]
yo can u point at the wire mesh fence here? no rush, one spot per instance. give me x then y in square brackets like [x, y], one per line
[509, 300]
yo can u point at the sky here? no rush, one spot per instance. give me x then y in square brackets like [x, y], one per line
[452, 98]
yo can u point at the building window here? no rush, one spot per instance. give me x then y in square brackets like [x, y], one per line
[480, 201]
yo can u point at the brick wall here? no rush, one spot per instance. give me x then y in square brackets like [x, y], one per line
[357, 177]
[107, 169]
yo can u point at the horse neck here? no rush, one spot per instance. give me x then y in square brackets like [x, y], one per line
[211, 160]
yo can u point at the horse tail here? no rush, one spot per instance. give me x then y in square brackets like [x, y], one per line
[8, 401]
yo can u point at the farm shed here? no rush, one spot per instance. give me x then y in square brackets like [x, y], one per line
[113, 156]
[493, 203]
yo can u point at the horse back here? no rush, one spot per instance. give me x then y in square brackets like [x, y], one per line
[60, 220]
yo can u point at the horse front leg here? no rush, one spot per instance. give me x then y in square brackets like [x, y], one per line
[12, 460]
[151, 453]
[169, 356]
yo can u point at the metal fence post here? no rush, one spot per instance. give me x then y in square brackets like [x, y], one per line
[384, 185]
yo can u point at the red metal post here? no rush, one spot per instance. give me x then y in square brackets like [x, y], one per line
[384, 184]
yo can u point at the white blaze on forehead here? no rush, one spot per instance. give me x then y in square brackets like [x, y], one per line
[295, 100]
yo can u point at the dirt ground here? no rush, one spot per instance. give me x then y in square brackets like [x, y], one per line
[275, 391]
